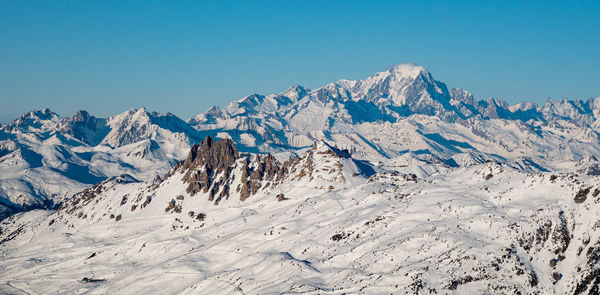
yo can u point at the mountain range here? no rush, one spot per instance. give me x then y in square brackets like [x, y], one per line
[401, 119]
[391, 184]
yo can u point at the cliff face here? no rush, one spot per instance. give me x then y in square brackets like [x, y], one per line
[209, 168]
[205, 161]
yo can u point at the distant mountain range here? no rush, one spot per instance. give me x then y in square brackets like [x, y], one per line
[400, 119]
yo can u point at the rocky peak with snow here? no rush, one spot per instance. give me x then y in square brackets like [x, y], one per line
[38, 122]
[403, 85]
[217, 169]
[84, 127]
[136, 125]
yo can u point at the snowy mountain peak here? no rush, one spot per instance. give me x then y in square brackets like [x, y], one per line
[408, 70]
[81, 116]
[38, 122]
[215, 111]
[136, 125]
[296, 92]
[84, 127]
[398, 78]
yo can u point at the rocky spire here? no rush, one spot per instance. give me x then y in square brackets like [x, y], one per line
[205, 161]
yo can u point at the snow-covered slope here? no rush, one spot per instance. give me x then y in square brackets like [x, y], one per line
[227, 222]
[44, 158]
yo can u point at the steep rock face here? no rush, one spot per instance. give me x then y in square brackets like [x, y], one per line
[205, 161]
[209, 167]
[84, 127]
[265, 168]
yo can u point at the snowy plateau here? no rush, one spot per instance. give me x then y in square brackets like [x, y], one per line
[389, 185]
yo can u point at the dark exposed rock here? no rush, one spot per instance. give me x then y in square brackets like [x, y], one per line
[591, 278]
[581, 195]
[124, 200]
[148, 200]
[265, 168]
[173, 206]
[461, 281]
[561, 236]
[205, 161]
[533, 279]
[281, 197]
[339, 236]
[591, 281]
[556, 276]
[209, 165]
[81, 199]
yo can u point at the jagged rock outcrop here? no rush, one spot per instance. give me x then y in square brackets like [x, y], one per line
[205, 161]
[217, 168]
[262, 169]
[210, 164]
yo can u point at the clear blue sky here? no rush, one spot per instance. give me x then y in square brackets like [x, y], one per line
[185, 56]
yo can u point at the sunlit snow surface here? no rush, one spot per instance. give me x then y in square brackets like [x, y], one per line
[463, 230]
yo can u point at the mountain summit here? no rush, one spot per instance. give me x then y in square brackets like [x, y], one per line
[405, 111]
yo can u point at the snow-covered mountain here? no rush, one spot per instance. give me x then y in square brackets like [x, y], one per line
[223, 221]
[394, 119]
[406, 112]
[44, 158]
